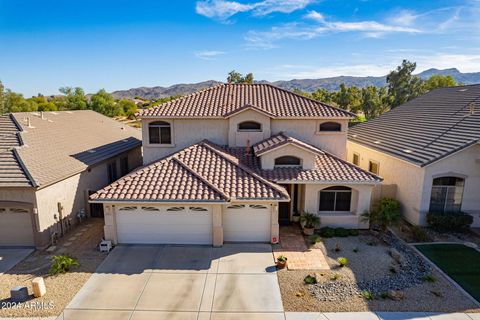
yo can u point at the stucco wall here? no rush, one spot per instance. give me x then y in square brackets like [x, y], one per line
[407, 177]
[464, 164]
[361, 195]
[242, 139]
[307, 158]
[307, 131]
[185, 132]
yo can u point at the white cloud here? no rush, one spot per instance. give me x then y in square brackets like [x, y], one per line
[404, 18]
[208, 54]
[224, 9]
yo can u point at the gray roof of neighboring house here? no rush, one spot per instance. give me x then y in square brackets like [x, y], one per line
[60, 145]
[226, 99]
[427, 128]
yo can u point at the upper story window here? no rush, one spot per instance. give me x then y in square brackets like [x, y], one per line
[249, 126]
[373, 167]
[288, 161]
[330, 127]
[356, 159]
[447, 193]
[112, 171]
[160, 132]
[336, 198]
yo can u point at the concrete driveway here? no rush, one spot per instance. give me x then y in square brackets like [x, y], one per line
[9, 257]
[237, 281]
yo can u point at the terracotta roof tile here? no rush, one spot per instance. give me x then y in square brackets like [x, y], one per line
[279, 140]
[226, 99]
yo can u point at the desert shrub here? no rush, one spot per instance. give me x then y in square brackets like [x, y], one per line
[429, 278]
[314, 238]
[327, 232]
[335, 276]
[367, 295]
[449, 221]
[356, 250]
[419, 234]
[62, 264]
[310, 279]
[354, 232]
[311, 220]
[342, 261]
[388, 214]
[342, 232]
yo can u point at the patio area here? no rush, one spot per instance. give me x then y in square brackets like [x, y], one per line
[300, 257]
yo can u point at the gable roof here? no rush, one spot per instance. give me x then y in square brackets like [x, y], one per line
[62, 144]
[279, 140]
[427, 128]
[224, 100]
[201, 172]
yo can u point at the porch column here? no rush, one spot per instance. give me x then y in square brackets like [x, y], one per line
[217, 225]
[110, 227]
[274, 228]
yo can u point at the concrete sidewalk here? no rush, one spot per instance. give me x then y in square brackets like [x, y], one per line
[380, 316]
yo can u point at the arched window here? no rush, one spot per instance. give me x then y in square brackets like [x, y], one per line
[160, 132]
[249, 126]
[447, 193]
[288, 161]
[330, 126]
[336, 198]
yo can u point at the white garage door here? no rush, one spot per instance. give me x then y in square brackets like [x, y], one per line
[16, 227]
[247, 223]
[164, 224]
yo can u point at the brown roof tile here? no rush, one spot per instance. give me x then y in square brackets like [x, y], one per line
[226, 99]
[279, 140]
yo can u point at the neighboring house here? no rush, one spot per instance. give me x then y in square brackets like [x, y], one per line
[231, 163]
[49, 164]
[429, 149]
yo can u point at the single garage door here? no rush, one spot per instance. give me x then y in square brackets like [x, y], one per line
[247, 223]
[164, 224]
[16, 227]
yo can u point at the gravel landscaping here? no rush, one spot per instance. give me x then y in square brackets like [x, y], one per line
[62, 288]
[399, 280]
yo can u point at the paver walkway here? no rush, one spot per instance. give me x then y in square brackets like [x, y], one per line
[380, 316]
[300, 257]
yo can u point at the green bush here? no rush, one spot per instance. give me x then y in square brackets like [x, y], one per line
[327, 232]
[429, 278]
[342, 261]
[62, 264]
[314, 238]
[449, 221]
[354, 232]
[367, 295]
[335, 277]
[342, 232]
[419, 234]
[310, 280]
[311, 220]
[388, 214]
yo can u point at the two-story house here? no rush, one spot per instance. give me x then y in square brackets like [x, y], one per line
[232, 163]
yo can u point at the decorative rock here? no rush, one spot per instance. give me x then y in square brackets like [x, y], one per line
[39, 288]
[19, 294]
[396, 295]
[397, 256]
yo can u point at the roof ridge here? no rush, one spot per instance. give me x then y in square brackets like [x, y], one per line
[203, 179]
[229, 157]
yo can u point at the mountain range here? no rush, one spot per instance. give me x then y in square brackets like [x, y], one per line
[308, 85]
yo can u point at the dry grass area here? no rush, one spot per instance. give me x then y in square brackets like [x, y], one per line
[130, 122]
[80, 243]
[369, 259]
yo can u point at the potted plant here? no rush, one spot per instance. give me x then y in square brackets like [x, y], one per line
[281, 262]
[296, 217]
[309, 221]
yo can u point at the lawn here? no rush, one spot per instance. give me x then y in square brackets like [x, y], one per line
[460, 262]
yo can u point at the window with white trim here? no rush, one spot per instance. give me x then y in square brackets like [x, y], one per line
[336, 198]
[373, 167]
[159, 132]
[330, 127]
[249, 126]
[288, 161]
[447, 194]
[356, 159]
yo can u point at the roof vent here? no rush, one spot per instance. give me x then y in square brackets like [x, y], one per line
[463, 90]
[91, 151]
[407, 151]
[378, 142]
[472, 108]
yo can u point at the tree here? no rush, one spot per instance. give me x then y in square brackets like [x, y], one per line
[2, 99]
[375, 101]
[103, 102]
[237, 77]
[348, 98]
[15, 102]
[403, 85]
[439, 81]
[128, 106]
[74, 98]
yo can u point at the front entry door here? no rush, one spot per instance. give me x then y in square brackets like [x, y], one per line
[284, 209]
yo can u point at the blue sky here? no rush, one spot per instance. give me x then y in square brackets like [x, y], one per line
[122, 44]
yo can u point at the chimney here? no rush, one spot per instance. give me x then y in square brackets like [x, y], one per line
[41, 115]
[472, 108]
[29, 123]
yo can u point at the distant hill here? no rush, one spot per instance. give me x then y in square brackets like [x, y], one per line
[308, 85]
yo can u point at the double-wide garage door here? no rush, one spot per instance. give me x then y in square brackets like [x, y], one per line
[16, 227]
[163, 224]
[191, 225]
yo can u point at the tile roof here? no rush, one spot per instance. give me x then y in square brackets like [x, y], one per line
[427, 128]
[64, 143]
[223, 100]
[329, 169]
[279, 140]
[12, 172]
[201, 172]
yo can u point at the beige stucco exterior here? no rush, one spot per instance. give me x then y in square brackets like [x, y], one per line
[414, 183]
[70, 193]
[306, 157]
